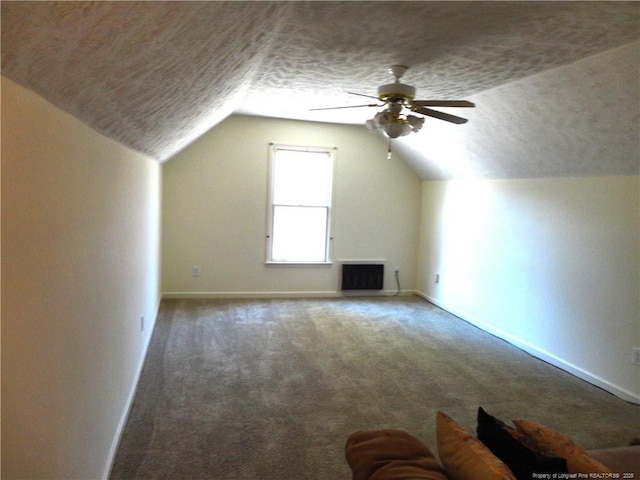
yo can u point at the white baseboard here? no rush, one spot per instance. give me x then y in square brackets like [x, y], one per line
[539, 353]
[299, 294]
[129, 403]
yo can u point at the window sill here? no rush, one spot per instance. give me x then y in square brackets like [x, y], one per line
[298, 264]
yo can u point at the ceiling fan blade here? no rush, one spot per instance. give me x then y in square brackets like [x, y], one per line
[347, 106]
[439, 115]
[362, 95]
[443, 103]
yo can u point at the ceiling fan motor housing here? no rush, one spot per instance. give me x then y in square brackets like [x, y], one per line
[396, 92]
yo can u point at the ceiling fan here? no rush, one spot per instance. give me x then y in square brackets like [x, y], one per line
[399, 97]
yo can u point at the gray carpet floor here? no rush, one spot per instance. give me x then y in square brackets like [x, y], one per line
[270, 389]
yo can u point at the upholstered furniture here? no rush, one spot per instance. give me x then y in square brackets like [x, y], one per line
[499, 452]
[391, 455]
[620, 459]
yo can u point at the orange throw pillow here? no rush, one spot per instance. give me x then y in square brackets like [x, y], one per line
[390, 455]
[578, 460]
[464, 457]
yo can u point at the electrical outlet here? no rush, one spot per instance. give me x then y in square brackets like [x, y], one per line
[636, 356]
[195, 271]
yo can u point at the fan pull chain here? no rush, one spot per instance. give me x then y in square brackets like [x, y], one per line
[389, 150]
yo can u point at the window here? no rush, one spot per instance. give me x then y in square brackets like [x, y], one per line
[299, 204]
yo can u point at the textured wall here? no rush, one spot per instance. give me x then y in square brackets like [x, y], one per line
[80, 266]
[578, 119]
[152, 75]
[156, 75]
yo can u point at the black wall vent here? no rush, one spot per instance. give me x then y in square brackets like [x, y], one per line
[360, 276]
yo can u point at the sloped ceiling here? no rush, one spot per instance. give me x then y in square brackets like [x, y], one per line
[157, 75]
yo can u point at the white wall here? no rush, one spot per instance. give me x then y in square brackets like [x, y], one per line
[80, 266]
[550, 265]
[215, 211]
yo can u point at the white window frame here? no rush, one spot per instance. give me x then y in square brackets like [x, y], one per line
[273, 149]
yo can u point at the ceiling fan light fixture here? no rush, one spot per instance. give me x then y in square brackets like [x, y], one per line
[415, 122]
[372, 125]
[394, 126]
[378, 121]
[397, 129]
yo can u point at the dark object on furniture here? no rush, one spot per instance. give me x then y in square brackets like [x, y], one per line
[522, 456]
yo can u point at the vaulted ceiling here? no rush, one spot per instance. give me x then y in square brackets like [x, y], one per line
[157, 75]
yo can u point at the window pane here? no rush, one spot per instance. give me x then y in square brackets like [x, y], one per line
[302, 178]
[299, 234]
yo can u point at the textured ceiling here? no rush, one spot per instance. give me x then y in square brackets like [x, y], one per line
[156, 75]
